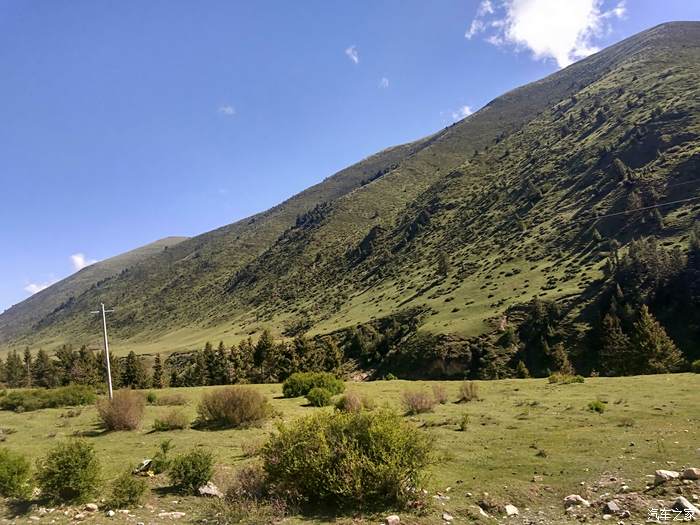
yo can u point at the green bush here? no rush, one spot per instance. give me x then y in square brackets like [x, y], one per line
[190, 471]
[347, 459]
[127, 491]
[695, 367]
[173, 420]
[301, 383]
[597, 406]
[564, 379]
[29, 399]
[14, 475]
[151, 398]
[236, 406]
[390, 377]
[69, 472]
[161, 462]
[319, 397]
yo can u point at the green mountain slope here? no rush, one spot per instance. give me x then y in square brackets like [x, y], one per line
[523, 199]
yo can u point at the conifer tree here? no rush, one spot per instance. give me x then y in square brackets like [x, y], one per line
[134, 373]
[559, 360]
[241, 361]
[14, 370]
[616, 357]
[263, 347]
[157, 376]
[521, 370]
[44, 371]
[656, 351]
[27, 362]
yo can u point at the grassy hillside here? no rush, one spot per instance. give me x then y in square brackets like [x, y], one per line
[526, 443]
[523, 199]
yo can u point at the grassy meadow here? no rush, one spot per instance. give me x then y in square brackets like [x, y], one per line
[525, 442]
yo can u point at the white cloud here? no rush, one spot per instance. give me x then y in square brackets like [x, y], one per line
[384, 83]
[352, 54]
[227, 110]
[80, 261]
[461, 113]
[555, 29]
[33, 288]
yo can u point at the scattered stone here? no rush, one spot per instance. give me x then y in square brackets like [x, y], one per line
[91, 507]
[661, 476]
[392, 520]
[171, 515]
[625, 514]
[695, 497]
[624, 488]
[483, 512]
[691, 473]
[79, 516]
[110, 513]
[573, 500]
[683, 504]
[140, 523]
[611, 507]
[210, 490]
[143, 467]
[447, 516]
[34, 518]
[512, 510]
[607, 517]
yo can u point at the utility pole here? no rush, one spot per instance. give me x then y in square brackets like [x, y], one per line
[104, 335]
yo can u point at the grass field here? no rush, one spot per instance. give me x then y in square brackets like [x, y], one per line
[526, 442]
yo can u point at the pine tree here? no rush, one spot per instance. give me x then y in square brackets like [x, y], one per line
[14, 370]
[209, 358]
[27, 362]
[133, 372]
[263, 347]
[443, 264]
[657, 352]
[521, 370]
[157, 377]
[616, 357]
[44, 371]
[241, 361]
[559, 360]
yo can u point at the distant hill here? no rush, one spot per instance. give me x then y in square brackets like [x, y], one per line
[527, 198]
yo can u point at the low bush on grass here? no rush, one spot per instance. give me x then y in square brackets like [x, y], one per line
[557, 378]
[390, 377]
[14, 475]
[301, 383]
[319, 397]
[236, 406]
[597, 406]
[123, 412]
[417, 402]
[463, 422]
[151, 398]
[249, 484]
[30, 399]
[695, 366]
[70, 472]
[349, 460]
[468, 391]
[171, 400]
[192, 470]
[354, 402]
[127, 491]
[440, 393]
[173, 420]
[161, 461]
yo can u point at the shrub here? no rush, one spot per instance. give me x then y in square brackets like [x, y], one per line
[235, 406]
[171, 400]
[464, 422]
[127, 491]
[37, 398]
[173, 420]
[390, 377]
[354, 402]
[564, 379]
[14, 475]
[347, 459]
[440, 393]
[468, 391]
[249, 484]
[417, 402]
[695, 366]
[597, 406]
[190, 471]
[301, 383]
[123, 412]
[69, 472]
[319, 397]
[161, 462]
[151, 398]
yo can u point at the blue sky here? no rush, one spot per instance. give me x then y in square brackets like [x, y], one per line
[124, 122]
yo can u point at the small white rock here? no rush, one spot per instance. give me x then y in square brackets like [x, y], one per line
[574, 500]
[691, 473]
[110, 513]
[91, 507]
[512, 510]
[447, 516]
[392, 520]
[661, 476]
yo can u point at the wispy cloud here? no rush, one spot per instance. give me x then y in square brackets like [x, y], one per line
[554, 29]
[227, 110]
[352, 54]
[384, 83]
[33, 288]
[79, 261]
[461, 113]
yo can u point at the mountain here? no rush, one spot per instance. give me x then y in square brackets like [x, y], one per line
[530, 197]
